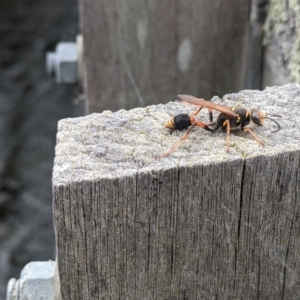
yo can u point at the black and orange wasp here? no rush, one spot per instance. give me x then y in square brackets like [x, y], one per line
[230, 118]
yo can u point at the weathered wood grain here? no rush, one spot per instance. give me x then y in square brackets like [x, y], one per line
[199, 224]
[139, 53]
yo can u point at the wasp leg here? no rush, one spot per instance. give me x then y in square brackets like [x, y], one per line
[254, 136]
[184, 137]
[216, 128]
[197, 111]
[210, 114]
[226, 125]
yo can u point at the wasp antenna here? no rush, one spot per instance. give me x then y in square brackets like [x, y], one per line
[278, 116]
[275, 123]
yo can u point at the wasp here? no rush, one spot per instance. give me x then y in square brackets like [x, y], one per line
[230, 118]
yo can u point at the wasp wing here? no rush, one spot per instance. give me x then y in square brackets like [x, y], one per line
[191, 100]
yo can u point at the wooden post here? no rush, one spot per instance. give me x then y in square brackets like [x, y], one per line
[139, 53]
[198, 224]
[281, 43]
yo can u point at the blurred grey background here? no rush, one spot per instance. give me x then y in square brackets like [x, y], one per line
[31, 103]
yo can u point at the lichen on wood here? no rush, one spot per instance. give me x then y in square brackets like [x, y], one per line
[282, 28]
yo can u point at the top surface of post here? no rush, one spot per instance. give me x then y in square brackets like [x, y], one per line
[123, 143]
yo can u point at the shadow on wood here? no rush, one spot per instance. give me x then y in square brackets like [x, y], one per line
[198, 224]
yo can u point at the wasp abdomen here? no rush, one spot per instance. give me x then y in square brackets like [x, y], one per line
[179, 122]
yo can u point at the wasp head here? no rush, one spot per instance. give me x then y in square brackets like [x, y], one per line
[257, 117]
